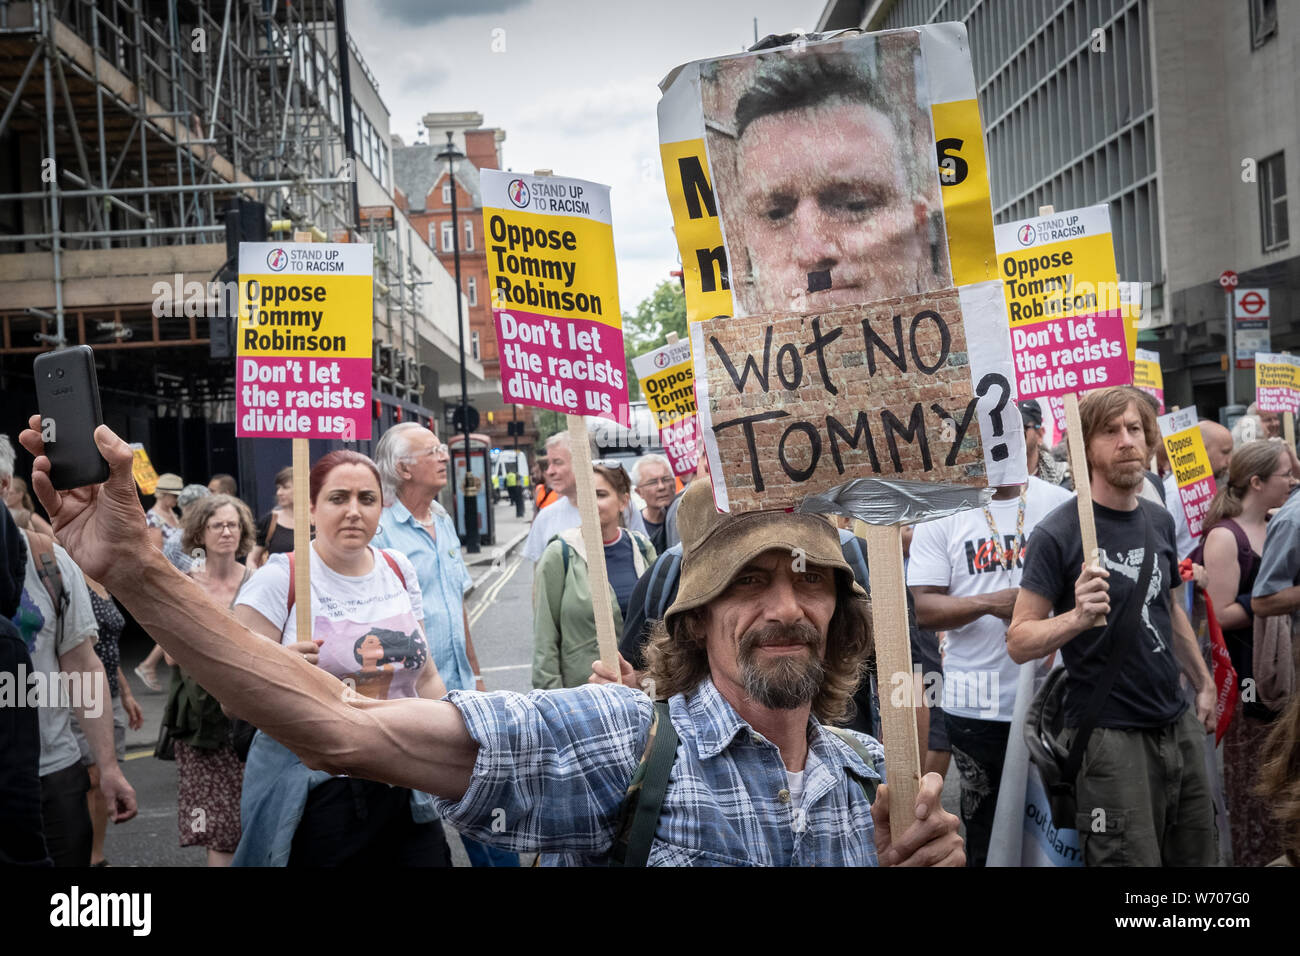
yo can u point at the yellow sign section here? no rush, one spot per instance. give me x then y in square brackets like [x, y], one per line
[553, 265]
[1277, 382]
[1187, 457]
[1061, 280]
[963, 174]
[1130, 306]
[1147, 375]
[668, 382]
[699, 231]
[282, 315]
[142, 470]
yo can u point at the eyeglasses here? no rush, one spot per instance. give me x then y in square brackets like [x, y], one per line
[608, 463]
[219, 527]
[437, 451]
[657, 482]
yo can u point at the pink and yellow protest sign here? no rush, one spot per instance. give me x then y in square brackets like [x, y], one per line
[667, 380]
[1191, 465]
[1147, 375]
[1277, 382]
[550, 261]
[304, 339]
[1062, 293]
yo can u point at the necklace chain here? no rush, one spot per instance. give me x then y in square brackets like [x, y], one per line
[1007, 557]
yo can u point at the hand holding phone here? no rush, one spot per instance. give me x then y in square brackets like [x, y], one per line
[67, 395]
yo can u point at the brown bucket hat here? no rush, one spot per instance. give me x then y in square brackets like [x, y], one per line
[716, 546]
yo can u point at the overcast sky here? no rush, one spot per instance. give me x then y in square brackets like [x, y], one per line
[575, 89]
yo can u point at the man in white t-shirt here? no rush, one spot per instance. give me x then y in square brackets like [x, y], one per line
[964, 574]
[67, 674]
[564, 514]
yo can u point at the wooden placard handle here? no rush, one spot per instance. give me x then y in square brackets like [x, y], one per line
[1082, 487]
[302, 537]
[597, 574]
[893, 658]
[1288, 429]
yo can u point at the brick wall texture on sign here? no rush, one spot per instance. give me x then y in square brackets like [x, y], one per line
[802, 402]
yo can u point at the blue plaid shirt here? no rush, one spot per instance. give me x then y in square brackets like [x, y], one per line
[553, 768]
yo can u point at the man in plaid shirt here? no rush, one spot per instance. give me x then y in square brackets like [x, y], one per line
[756, 651]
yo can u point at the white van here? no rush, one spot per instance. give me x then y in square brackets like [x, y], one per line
[508, 462]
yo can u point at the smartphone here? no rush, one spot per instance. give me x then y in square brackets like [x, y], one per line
[67, 395]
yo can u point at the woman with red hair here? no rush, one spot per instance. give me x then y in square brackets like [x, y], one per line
[366, 614]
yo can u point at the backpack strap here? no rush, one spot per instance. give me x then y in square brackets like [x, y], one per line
[644, 801]
[869, 787]
[663, 577]
[392, 563]
[47, 568]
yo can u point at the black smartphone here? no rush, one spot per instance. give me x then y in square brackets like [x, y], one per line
[67, 395]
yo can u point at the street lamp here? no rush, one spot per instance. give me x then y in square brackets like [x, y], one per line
[451, 154]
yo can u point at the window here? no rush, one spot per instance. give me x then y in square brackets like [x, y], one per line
[1263, 22]
[446, 194]
[469, 233]
[448, 237]
[472, 292]
[473, 343]
[1273, 224]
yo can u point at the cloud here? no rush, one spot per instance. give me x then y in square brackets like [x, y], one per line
[594, 111]
[419, 13]
[422, 78]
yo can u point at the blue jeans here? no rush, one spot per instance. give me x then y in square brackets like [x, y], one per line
[480, 854]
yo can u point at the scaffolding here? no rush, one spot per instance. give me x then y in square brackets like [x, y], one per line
[126, 125]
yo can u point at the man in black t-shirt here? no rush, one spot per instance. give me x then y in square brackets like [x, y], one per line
[1143, 793]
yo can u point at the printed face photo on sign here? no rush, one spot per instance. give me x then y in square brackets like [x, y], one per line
[825, 174]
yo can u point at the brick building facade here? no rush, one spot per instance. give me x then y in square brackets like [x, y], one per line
[426, 191]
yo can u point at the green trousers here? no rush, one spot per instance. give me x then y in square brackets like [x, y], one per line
[1144, 799]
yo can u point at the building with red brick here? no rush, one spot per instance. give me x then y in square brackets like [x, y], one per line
[426, 189]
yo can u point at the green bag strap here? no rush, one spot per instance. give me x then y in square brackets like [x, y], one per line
[869, 787]
[639, 815]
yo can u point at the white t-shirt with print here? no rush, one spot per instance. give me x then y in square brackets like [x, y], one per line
[979, 677]
[59, 748]
[371, 625]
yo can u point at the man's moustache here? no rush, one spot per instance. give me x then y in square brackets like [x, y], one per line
[772, 635]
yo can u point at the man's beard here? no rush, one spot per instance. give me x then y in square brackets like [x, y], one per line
[1122, 475]
[781, 682]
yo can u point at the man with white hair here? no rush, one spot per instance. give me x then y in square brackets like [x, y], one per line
[652, 477]
[413, 468]
[564, 514]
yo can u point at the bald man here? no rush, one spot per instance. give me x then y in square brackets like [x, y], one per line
[1218, 447]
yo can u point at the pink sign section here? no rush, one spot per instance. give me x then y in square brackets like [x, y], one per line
[304, 398]
[1196, 501]
[681, 444]
[1073, 354]
[568, 365]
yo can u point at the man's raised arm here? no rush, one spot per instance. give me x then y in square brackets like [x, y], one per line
[414, 743]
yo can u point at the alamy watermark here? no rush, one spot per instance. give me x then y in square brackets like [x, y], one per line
[84, 690]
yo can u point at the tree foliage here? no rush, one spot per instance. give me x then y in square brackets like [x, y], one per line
[663, 311]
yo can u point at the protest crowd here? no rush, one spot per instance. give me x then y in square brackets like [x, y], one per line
[747, 662]
[1103, 660]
